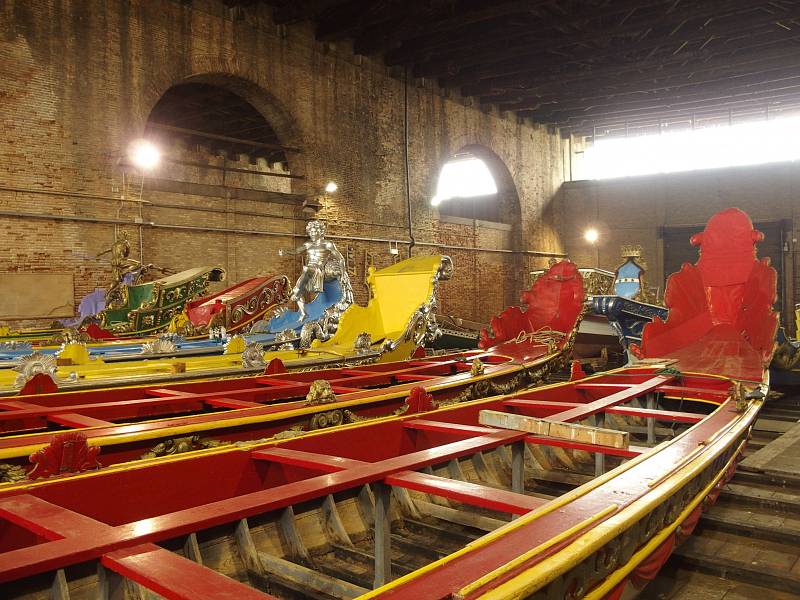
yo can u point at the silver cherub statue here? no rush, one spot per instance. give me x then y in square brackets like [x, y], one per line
[323, 263]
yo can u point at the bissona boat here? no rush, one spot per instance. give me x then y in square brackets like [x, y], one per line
[234, 309]
[228, 312]
[149, 307]
[544, 494]
[143, 309]
[397, 319]
[131, 421]
[624, 299]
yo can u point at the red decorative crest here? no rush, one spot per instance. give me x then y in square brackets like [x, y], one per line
[94, 331]
[721, 319]
[274, 367]
[420, 401]
[67, 453]
[41, 383]
[555, 301]
[576, 371]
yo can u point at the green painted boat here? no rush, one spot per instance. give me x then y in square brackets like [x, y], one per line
[149, 307]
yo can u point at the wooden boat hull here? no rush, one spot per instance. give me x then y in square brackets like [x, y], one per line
[268, 405]
[226, 411]
[628, 317]
[237, 307]
[148, 308]
[321, 490]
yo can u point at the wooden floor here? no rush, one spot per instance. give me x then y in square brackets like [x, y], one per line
[747, 546]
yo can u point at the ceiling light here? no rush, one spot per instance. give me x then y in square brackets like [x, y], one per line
[331, 187]
[591, 235]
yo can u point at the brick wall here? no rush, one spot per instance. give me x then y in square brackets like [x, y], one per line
[77, 83]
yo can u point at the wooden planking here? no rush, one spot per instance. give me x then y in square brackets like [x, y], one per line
[459, 517]
[781, 455]
[583, 434]
[303, 579]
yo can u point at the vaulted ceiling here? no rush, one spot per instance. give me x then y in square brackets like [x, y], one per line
[573, 63]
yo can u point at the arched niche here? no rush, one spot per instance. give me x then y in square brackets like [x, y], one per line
[218, 128]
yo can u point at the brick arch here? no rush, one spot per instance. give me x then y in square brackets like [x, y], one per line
[223, 73]
[506, 186]
[485, 283]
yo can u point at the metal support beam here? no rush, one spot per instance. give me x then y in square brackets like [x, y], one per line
[383, 526]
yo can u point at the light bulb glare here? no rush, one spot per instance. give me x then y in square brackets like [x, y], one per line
[331, 187]
[591, 235]
[144, 154]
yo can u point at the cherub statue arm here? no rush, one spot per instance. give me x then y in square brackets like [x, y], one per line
[299, 250]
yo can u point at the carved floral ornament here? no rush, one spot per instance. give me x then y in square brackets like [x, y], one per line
[67, 453]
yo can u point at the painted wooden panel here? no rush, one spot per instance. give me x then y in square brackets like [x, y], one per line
[36, 295]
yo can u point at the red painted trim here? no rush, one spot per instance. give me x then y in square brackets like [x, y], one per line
[48, 520]
[466, 492]
[630, 393]
[77, 421]
[443, 427]
[175, 577]
[552, 407]
[307, 460]
[232, 403]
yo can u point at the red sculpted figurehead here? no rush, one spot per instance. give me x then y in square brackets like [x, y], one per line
[720, 309]
[727, 248]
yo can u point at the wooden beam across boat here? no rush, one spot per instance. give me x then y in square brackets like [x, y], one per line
[544, 408]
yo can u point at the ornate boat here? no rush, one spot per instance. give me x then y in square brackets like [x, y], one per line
[150, 307]
[625, 300]
[143, 309]
[456, 333]
[548, 493]
[203, 327]
[397, 319]
[277, 402]
[234, 309]
[598, 343]
[785, 368]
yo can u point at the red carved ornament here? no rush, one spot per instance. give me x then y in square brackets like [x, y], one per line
[555, 301]
[67, 453]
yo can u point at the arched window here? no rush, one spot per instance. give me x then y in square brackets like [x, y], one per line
[467, 189]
